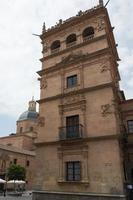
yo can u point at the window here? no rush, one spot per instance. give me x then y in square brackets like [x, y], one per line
[72, 126]
[31, 128]
[27, 163]
[10, 163]
[21, 129]
[55, 45]
[73, 171]
[71, 81]
[130, 126]
[71, 39]
[15, 161]
[88, 33]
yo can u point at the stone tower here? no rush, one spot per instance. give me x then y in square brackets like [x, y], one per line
[78, 149]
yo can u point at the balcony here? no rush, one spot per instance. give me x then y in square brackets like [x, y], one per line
[71, 44]
[71, 132]
[55, 50]
[87, 38]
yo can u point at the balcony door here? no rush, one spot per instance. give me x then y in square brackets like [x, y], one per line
[72, 126]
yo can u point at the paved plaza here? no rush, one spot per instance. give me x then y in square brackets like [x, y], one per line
[25, 196]
[16, 198]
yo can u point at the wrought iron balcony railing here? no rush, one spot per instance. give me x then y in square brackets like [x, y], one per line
[71, 132]
[71, 44]
[55, 50]
[88, 38]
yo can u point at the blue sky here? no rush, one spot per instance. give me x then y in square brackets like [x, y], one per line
[20, 50]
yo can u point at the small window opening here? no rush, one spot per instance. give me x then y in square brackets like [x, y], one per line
[88, 33]
[71, 39]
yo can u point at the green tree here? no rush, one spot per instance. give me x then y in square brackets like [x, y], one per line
[16, 172]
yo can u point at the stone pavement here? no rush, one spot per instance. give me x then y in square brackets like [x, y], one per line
[16, 198]
[25, 196]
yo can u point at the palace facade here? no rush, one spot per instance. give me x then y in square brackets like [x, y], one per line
[80, 143]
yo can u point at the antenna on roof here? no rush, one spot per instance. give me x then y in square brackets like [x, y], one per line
[107, 3]
[101, 2]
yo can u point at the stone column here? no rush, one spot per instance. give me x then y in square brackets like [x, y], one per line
[85, 166]
[60, 175]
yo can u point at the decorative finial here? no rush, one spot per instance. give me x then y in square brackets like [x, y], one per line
[101, 2]
[44, 28]
[32, 105]
[60, 21]
[80, 13]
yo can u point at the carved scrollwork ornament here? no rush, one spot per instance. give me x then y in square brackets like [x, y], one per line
[106, 110]
[100, 24]
[104, 66]
[43, 83]
[44, 28]
[73, 99]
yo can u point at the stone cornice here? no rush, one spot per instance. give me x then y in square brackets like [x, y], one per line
[99, 195]
[127, 101]
[17, 150]
[73, 62]
[74, 20]
[87, 139]
[80, 91]
[95, 39]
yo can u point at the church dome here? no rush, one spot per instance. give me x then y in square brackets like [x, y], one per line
[32, 115]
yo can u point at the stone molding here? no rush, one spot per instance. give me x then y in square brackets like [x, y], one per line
[95, 39]
[86, 139]
[81, 91]
[83, 57]
[43, 82]
[52, 195]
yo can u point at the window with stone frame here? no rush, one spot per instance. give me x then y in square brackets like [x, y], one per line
[72, 81]
[15, 161]
[27, 163]
[130, 126]
[88, 33]
[21, 129]
[73, 171]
